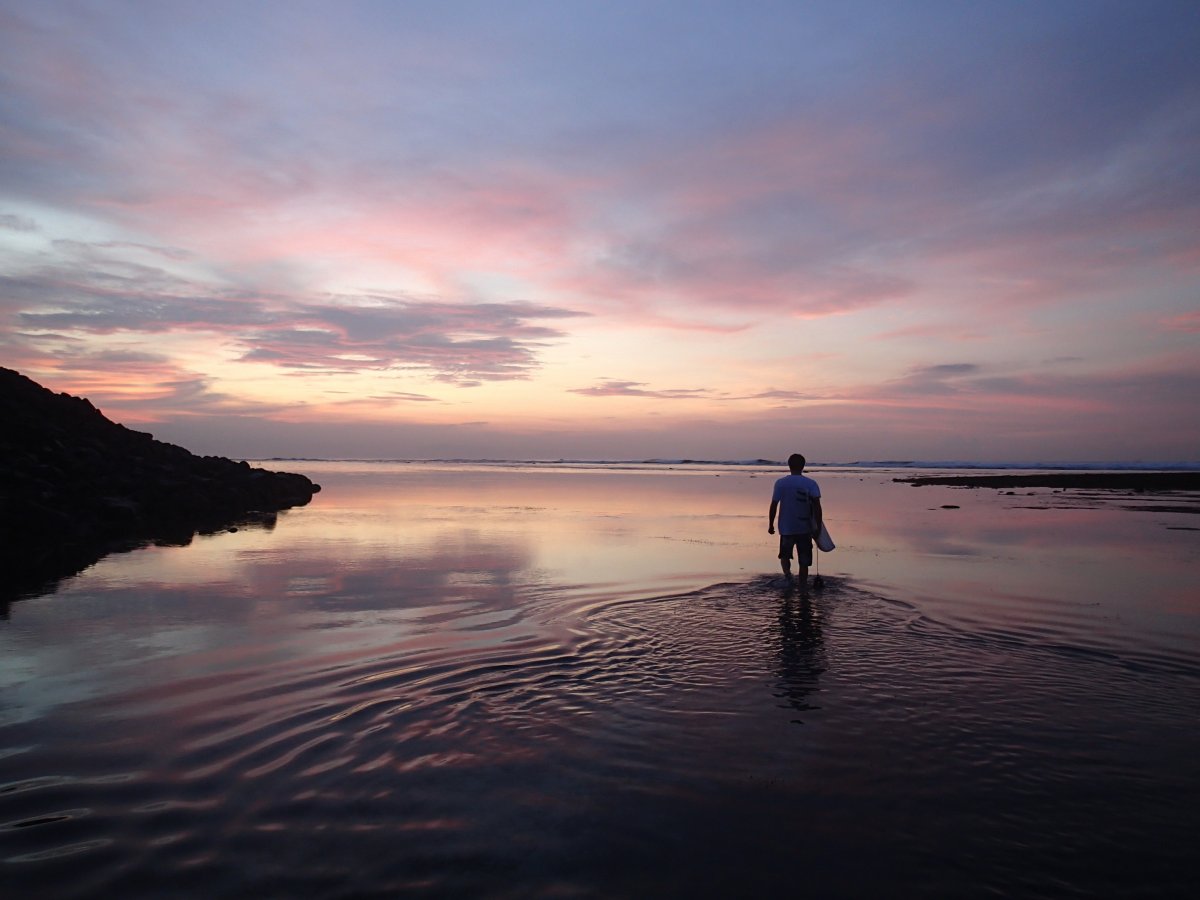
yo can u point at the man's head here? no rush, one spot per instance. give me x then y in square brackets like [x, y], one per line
[796, 463]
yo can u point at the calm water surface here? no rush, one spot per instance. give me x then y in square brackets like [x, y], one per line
[524, 681]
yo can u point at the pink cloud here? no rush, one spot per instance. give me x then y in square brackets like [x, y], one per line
[941, 331]
[139, 388]
[1188, 322]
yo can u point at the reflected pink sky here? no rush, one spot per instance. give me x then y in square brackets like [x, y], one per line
[436, 665]
[401, 535]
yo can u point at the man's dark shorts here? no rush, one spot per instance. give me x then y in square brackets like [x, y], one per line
[801, 543]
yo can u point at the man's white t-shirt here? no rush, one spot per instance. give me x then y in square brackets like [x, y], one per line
[794, 493]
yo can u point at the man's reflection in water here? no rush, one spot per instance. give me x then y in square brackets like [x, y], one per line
[801, 652]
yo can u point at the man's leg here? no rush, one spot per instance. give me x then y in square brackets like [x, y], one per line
[804, 558]
[786, 543]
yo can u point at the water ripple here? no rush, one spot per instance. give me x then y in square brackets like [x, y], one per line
[600, 727]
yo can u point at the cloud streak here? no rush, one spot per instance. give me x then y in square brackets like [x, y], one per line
[461, 343]
[614, 388]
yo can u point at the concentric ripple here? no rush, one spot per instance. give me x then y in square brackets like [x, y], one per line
[606, 746]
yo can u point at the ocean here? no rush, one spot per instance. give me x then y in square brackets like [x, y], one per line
[585, 679]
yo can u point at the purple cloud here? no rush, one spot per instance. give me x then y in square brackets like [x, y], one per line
[613, 388]
[12, 222]
[94, 292]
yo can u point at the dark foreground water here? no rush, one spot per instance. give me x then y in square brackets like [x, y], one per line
[507, 683]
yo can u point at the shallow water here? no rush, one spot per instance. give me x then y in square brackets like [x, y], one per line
[530, 681]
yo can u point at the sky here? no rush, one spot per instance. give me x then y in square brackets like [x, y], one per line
[858, 229]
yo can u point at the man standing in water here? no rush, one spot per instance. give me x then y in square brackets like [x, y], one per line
[797, 499]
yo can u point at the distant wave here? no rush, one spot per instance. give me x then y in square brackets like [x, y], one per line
[1106, 466]
[534, 462]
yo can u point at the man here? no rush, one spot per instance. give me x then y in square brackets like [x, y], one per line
[797, 499]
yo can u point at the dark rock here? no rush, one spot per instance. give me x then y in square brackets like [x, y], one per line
[75, 486]
[1106, 481]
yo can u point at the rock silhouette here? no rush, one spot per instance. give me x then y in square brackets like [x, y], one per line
[1102, 481]
[75, 486]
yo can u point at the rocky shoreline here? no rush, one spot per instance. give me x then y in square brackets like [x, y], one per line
[75, 486]
[1137, 482]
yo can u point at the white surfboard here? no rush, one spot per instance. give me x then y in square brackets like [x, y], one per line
[823, 541]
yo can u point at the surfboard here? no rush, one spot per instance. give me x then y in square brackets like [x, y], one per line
[823, 541]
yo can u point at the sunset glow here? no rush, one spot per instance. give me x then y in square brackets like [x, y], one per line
[624, 230]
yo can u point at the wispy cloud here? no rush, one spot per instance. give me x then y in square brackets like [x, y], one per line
[1188, 322]
[461, 343]
[613, 388]
[942, 378]
[145, 387]
[12, 222]
[775, 394]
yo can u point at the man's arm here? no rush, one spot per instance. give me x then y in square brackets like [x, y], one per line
[818, 517]
[771, 517]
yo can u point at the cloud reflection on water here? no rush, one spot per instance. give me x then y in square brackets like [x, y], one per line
[389, 548]
[434, 665]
